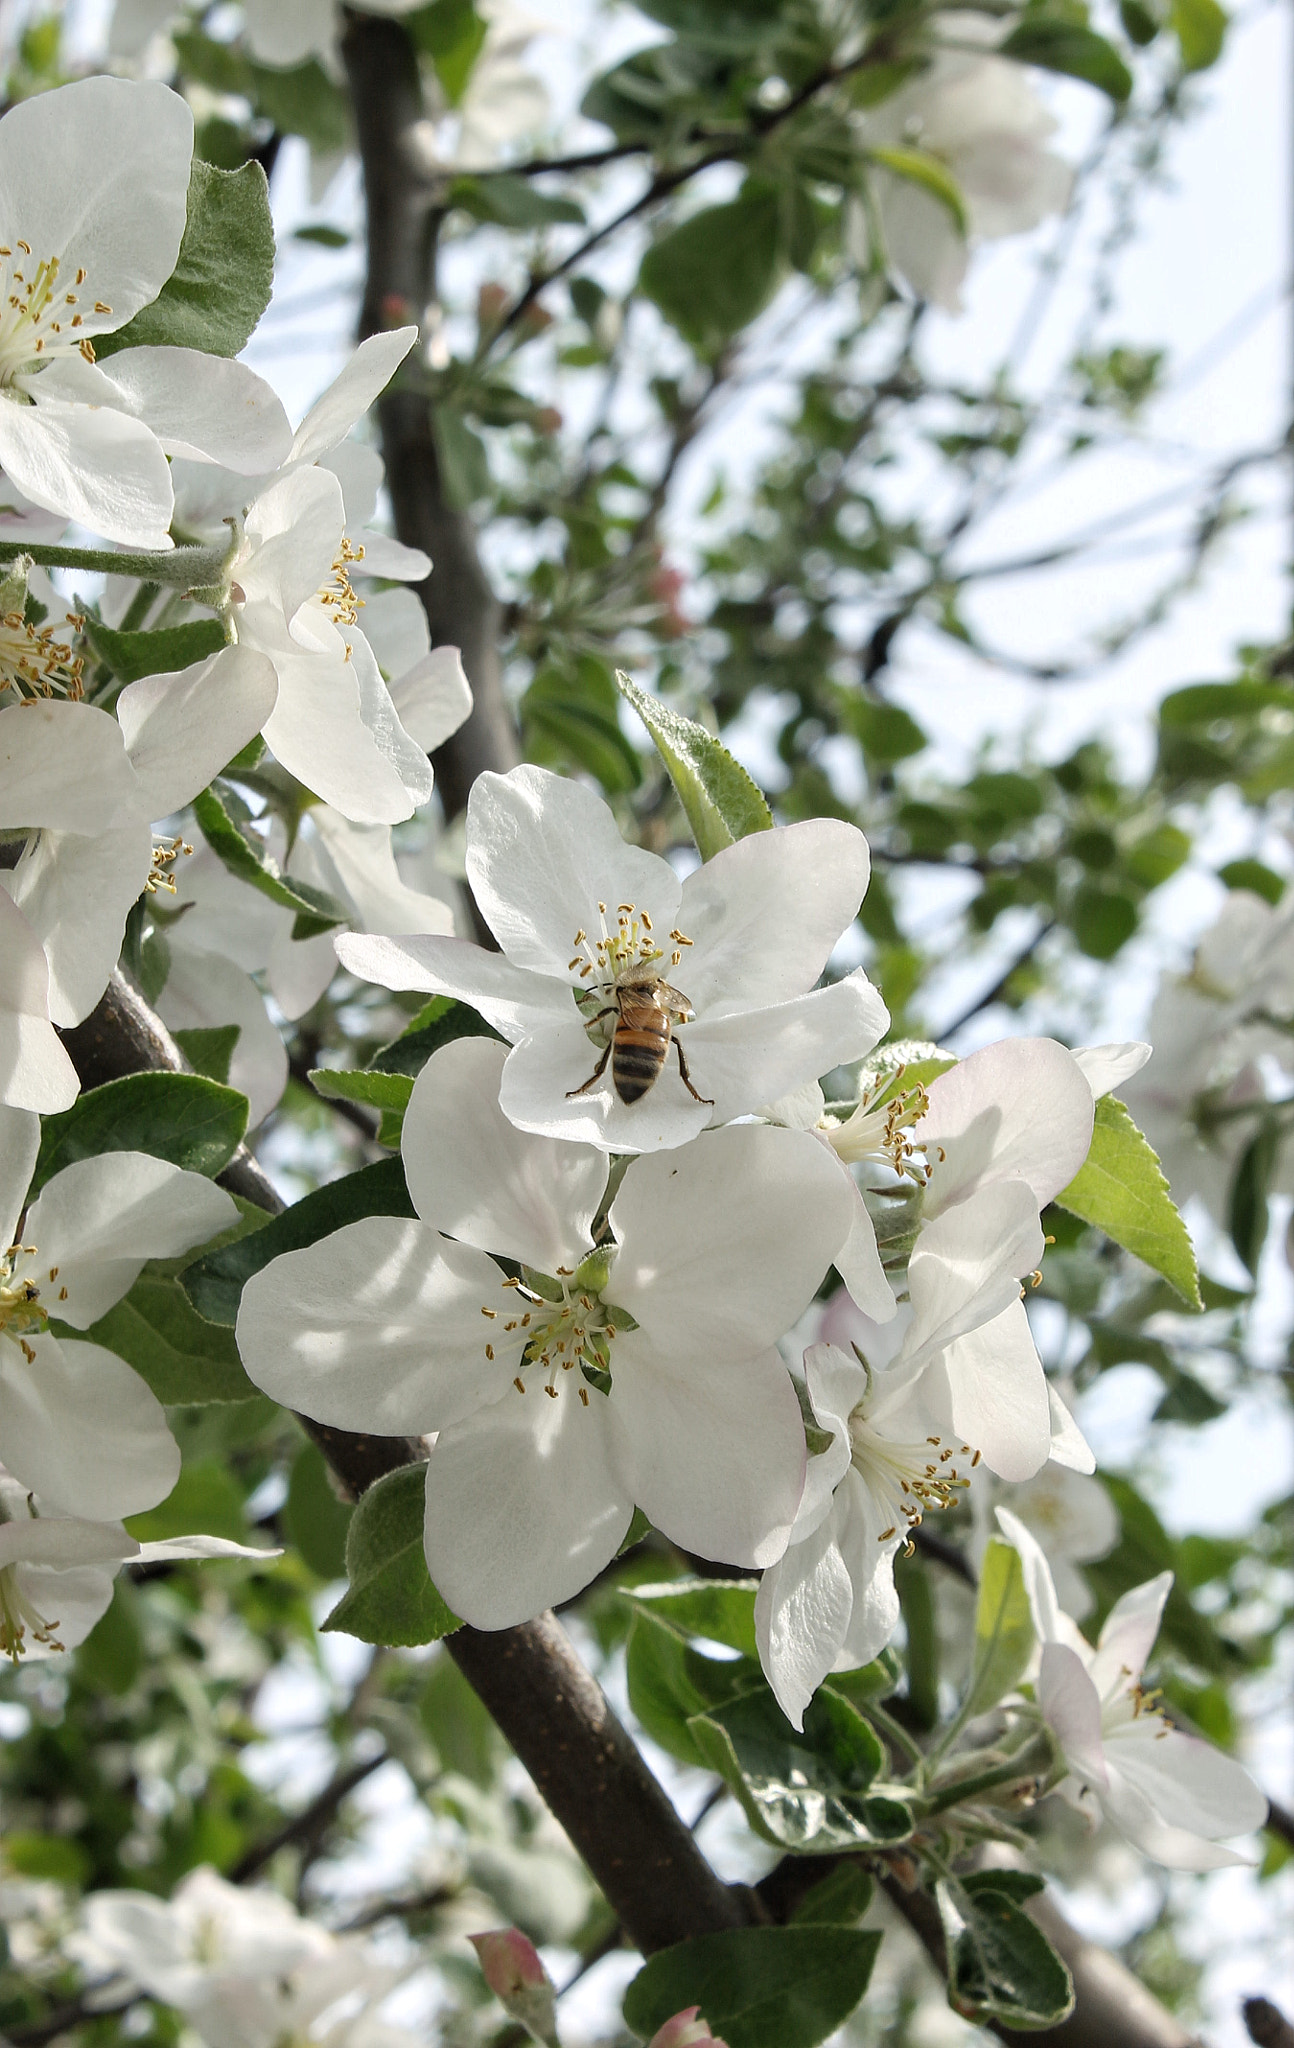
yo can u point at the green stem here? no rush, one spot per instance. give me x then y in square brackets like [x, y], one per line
[895, 1732]
[188, 568]
[1014, 1770]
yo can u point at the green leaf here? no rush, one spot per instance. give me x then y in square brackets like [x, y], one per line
[464, 464]
[375, 1090]
[734, 27]
[183, 1358]
[1068, 47]
[169, 648]
[224, 274]
[205, 1501]
[758, 1987]
[1249, 1210]
[391, 1599]
[839, 1900]
[917, 1600]
[252, 864]
[209, 1048]
[315, 1519]
[214, 1284]
[323, 235]
[803, 1791]
[933, 176]
[711, 276]
[451, 33]
[1255, 876]
[670, 1682]
[1102, 919]
[437, 1023]
[1122, 1191]
[1000, 1963]
[1003, 1628]
[571, 717]
[193, 1122]
[715, 1610]
[720, 800]
[1200, 27]
[112, 1655]
[513, 202]
[302, 101]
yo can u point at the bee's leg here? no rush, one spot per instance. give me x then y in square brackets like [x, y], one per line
[708, 1100]
[595, 1076]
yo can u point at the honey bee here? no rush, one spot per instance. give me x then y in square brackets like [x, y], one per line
[646, 1009]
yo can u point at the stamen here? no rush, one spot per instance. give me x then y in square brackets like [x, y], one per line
[164, 858]
[36, 664]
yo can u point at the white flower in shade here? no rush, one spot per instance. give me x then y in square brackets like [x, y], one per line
[1069, 1513]
[289, 32]
[639, 1371]
[77, 1424]
[718, 970]
[56, 1570]
[36, 1072]
[1175, 1797]
[84, 788]
[79, 256]
[980, 116]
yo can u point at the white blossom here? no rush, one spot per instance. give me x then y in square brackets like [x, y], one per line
[1175, 1797]
[79, 256]
[732, 953]
[639, 1371]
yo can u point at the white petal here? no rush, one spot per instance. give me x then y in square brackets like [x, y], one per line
[1176, 1848]
[1189, 1783]
[473, 1175]
[204, 991]
[922, 241]
[98, 467]
[713, 1448]
[64, 766]
[380, 716]
[858, 1263]
[765, 1208]
[1106, 1067]
[360, 471]
[76, 1597]
[395, 623]
[299, 970]
[100, 1219]
[182, 728]
[802, 1611]
[319, 732]
[546, 1076]
[967, 1263]
[512, 1000]
[384, 556]
[1069, 1447]
[62, 1540]
[1048, 1621]
[19, 1147]
[75, 893]
[1129, 1631]
[350, 395]
[542, 853]
[558, 1509]
[204, 407]
[292, 534]
[999, 1395]
[357, 863]
[433, 698]
[746, 1057]
[202, 1546]
[1071, 1706]
[764, 914]
[73, 169]
[80, 1428]
[378, 1328]
[1021, 1107]
[35, 1071]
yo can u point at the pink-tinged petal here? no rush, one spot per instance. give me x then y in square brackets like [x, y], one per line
[766, 1209]
[543, 1090]
[558, 1506]
[35, 1070]
[741, 1059]
[81, 1429]
[379, 1328]
[764, 915]
[1189, 1783]
[802, 1611]
[687, 2029]
[1071, 1707]
[97, 1221]
[19, 1148]
[1129, 1632]
[181, 729]
[75, 892]
[1177, 1848]
[511, 1967]
[351, 393]
[509, 998]
[478, 1178]
[63, 767]
[713, 1450]
[98, 467]
[1107, 1067]
[1021, 1108]
[542, 853]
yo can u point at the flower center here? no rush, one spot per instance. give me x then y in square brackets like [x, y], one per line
[558, 1323]
[21, 1315]
[37, 318]
[905, 1479]
[879, 1132]
[18, 1614]
[34, 663]
[165, 854]
[337, 595]
[620, 955]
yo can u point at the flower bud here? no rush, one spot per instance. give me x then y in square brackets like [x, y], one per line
[511, 1967]
[686, 2030]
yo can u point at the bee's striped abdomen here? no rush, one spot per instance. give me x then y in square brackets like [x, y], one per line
[638, 1054]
